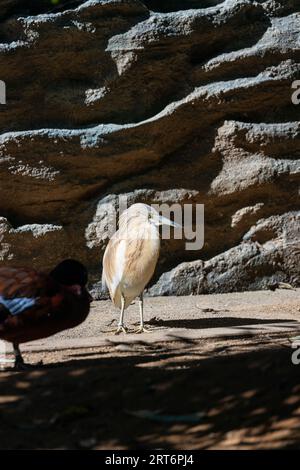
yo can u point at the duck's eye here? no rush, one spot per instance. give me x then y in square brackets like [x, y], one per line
[149, 216]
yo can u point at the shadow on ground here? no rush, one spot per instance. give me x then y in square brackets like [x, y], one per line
[244, 400]
[225, 322]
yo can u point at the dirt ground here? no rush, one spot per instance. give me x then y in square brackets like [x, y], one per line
[215, 372]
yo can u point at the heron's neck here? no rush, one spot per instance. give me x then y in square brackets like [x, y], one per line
[144, 231]
[152, 231]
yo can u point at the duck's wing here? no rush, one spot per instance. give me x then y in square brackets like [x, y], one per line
[22, 289]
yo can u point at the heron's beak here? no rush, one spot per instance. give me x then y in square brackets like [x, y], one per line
[165, 221]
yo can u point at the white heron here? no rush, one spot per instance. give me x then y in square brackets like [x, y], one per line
[130, 258]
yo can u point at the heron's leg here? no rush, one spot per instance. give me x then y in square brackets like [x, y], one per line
[121, 326]
[19, 361]
[142, 328]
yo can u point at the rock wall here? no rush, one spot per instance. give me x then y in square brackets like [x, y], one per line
[174, 101]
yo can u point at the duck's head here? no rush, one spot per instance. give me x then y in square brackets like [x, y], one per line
[73, 275]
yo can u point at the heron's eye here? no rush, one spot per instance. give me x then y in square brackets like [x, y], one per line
[149, 216]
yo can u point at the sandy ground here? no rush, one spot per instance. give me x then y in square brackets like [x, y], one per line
[215, 372]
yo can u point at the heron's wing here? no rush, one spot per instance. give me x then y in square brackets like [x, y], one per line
[114, 263]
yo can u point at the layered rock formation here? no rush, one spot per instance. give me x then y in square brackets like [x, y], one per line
[176, 102]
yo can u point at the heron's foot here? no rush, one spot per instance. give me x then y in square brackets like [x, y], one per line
[121, 328]
[142, 329]
[20, 366]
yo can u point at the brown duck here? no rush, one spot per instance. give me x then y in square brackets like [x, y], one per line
[35, 305]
